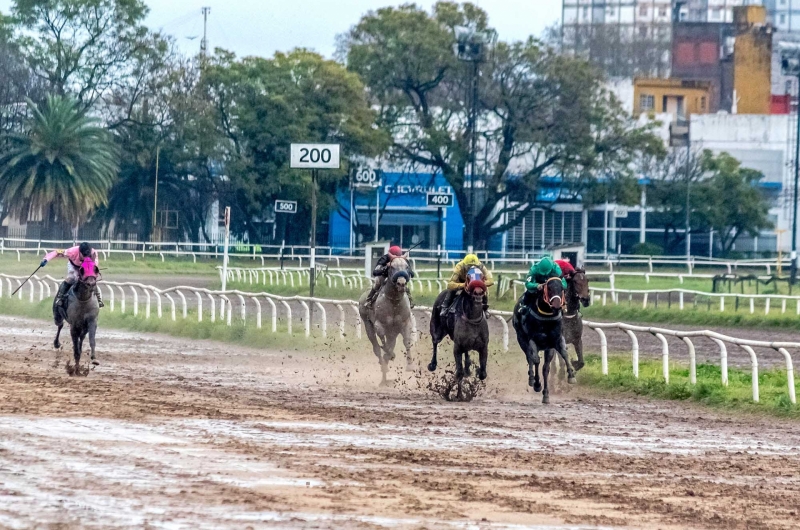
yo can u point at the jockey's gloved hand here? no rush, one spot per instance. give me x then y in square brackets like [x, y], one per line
[43, 263]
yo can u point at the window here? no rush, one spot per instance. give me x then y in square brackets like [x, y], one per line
[783, 19]
[647, 102]
[716, 14]
[662, 12]
[643, 11]
[702, 104]
[708, 53]
[585, 12]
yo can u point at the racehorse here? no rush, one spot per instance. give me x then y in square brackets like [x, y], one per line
[540, 328]
[389, 316]
[80, 310]
[577, 295]
[466, 326]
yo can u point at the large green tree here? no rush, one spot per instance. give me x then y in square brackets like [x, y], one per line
[83, 48]
[60, 168]
[539, 113]
[263, 105]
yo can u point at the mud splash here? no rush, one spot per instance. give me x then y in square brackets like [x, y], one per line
[451, 389]
[77, 370]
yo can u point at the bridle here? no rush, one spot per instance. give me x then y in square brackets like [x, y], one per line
[547, 298]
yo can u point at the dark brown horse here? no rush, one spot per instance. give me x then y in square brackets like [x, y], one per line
[577, 295]
[466, 326]
[540, 329]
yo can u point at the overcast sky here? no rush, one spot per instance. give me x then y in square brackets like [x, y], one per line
[261, 27]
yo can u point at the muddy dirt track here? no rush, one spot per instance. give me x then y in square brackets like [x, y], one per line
[168, 433]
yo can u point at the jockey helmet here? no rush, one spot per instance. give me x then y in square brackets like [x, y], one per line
[545, 266]
[85, 249]
[396, 251]
[471, 259]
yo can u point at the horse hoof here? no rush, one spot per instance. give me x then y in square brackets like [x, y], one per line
[57, 345]
[95, 362]
[577, 365]
[384, 384]
[432, 367]
[410, 367]
[481, 374]
[572, 380]
[546, 400]
[537, 386]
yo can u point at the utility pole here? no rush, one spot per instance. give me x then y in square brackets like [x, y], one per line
[790, 66]
[688, 202]
[204, 42]
[155, 194]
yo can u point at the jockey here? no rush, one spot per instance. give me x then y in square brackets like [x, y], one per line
[458, 281]
[381, 272]
[567, 270]
[538, 275]
[74, 255]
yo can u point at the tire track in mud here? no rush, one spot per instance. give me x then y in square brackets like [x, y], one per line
[169, 432]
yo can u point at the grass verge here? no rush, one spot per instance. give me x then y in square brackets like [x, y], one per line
[709, 391]
[695, 317]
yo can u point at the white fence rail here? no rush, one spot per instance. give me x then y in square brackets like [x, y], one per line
[41, 285]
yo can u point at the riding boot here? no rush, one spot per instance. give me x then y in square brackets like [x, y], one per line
[448, 300]
[372, 295]
[527, 300]
[99, 296]
[63, 289]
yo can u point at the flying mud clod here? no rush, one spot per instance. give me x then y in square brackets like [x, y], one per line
[76, 369]
[452, 389]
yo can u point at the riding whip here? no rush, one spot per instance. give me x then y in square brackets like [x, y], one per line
[26, 280]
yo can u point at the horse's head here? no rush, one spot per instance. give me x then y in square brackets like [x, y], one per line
[399, 273]
[580, 287]
[554, 293]
[88, 272]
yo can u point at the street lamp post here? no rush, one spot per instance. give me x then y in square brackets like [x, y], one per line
[790, 66]
[469, 47]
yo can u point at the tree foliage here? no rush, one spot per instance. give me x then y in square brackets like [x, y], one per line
[263, 105]
[64, 164]
[541, 114]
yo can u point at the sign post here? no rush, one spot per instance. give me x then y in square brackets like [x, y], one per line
[314, 157]
[440, 201]
[365, 177]
[225, 250]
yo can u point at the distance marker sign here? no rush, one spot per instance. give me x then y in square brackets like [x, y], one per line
[285, 206]
[442, 200]
[315, 156]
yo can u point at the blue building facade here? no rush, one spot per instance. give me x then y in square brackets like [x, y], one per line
[405, 219]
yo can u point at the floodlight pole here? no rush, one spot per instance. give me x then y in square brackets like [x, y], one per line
[793, 267]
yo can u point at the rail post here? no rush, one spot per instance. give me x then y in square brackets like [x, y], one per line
[243, 308]
[603, 351]
[341, 320]
[172, 306]
[213, 305]
[307, 319]
[135, 301]
[324, 315]
[147, 304]
[789, 374]
[723, 360]
[274, 311]
[664, 356]
[258, 311]
[692, 360]
[753, 370]
[634, 352]
[288, 315]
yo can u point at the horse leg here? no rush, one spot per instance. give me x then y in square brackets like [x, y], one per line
[562, 351]
[548, 356]
[483, 357]
[56, 343]
[376, 349]
[408, 342]
[579, 352]
[533, 371]
[467, 364]
[76, 347]
[457, 354]
[388, 341]
[92, 332]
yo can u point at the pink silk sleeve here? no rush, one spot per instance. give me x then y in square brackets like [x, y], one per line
[54, 254]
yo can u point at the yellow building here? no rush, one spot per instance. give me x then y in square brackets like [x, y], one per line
[752, 61]
[678, 97]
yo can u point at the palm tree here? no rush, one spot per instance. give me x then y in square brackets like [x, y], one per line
[61, 168]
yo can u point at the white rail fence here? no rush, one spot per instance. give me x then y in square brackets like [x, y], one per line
[300, 253]
[41, 286]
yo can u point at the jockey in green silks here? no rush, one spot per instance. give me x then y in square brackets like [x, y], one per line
[538, 275]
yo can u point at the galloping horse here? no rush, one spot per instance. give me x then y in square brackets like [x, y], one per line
[540, 329]
[577, 295]
[80, 310]
[466, 326]
[390, 316]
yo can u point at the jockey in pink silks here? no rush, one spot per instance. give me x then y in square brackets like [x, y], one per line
[75, 257]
